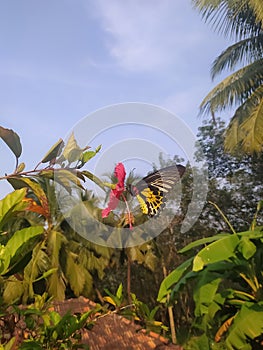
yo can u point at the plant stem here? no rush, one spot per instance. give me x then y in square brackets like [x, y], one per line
[129, 277]
[170, 313]
[224, 217]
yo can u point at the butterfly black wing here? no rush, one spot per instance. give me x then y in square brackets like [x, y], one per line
[151, 190]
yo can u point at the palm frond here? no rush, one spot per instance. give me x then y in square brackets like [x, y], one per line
[257, 6]
[231, 17]
[233, 135]
[234, 89]
[246, 51]
[246, 127]
[253, 130]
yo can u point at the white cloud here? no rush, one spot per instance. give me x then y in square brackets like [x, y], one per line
[147, 35]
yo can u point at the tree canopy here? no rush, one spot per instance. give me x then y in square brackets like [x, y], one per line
[242, 91]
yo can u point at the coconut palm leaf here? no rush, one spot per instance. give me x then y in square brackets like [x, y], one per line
[237, 18]
[242, 19]
[257, 8]
[253, 129]
[246, 51]
[234, 89]
[244, 130]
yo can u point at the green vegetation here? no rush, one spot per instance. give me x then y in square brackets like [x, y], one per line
[39, 327]
[243, 89]
[204, 288]
[196, 288]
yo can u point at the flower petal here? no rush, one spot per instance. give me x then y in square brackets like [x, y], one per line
[115, 193]
[120, 173]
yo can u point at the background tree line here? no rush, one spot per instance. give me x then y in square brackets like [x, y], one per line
[41, 253]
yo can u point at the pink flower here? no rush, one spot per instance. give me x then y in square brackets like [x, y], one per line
[117, 191]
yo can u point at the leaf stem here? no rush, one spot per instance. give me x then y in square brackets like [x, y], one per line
[224, 217]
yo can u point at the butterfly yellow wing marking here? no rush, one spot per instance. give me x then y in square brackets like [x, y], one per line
[151, 190]
[143, 204]
[153, 201]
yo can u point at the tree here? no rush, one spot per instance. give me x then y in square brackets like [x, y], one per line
[216, 289]
[52, 256]
[235, 181]
[243, 89]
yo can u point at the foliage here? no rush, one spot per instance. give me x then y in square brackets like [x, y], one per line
[226, 275]
[138, 310]
[243, 89]
[37, 326]
[116, 300]
[235, 181]
[57, 259]
[39, 249]
[146, 317]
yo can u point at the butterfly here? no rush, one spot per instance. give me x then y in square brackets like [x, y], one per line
[151, 190]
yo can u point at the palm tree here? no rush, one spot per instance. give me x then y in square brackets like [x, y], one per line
[243, 89]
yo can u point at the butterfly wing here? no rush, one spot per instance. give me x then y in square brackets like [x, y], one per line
[151, 190]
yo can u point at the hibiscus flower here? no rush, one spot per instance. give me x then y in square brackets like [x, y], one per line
[116, 191]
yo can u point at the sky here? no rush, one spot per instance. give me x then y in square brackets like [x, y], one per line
[62, 60]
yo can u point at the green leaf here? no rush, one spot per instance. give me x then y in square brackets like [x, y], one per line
[4, 259]
[55, 317]
[9, 345]
[205, 291]
[11, 204]
[136, 254]
[252, 234]
[75, 274]
[30, 345]
[247, 248]
[86, 156]
[19, 261]
[114, 299]
[10, 201]
[46, 274]
[38, 191]
[172, 279]
[56, 286]
[48, 174]
[16, 182]
[56, 281]
[38, 263]
[98, 148]
[21, 237]
[13, 291]
[220, 250]
[12, 140]
[153, 312]
[247, 325]
[150, 260]
[199, 343]
[203, 241]
[67, 179]
[93, 178]
[54, 151]
[119, 293]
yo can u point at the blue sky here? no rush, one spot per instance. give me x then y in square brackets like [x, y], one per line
[62, 60]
